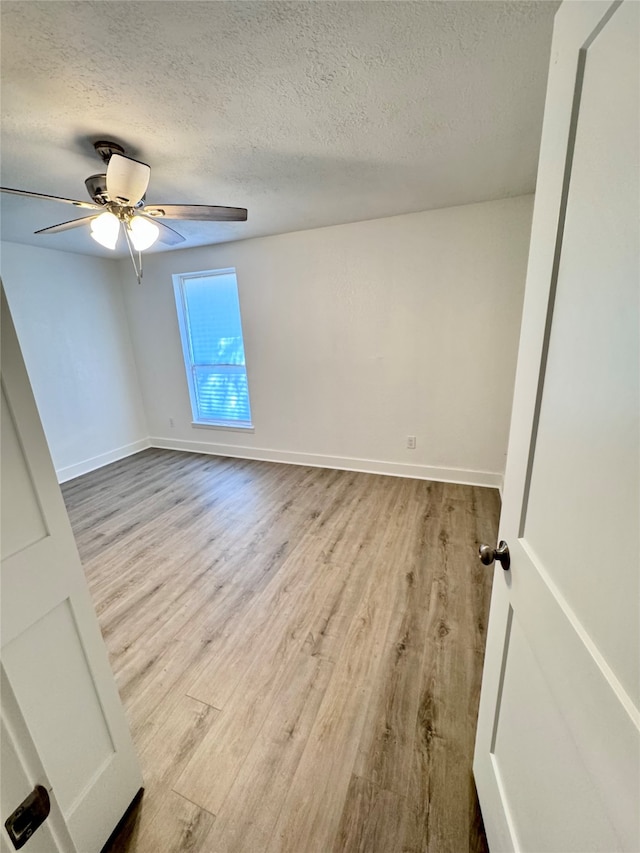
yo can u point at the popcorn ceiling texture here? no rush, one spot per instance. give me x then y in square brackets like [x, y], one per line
[307, 113]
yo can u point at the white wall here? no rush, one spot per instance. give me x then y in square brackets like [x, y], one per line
[70, 318]
[356, 336]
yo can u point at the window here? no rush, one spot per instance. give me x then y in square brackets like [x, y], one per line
[211, 331]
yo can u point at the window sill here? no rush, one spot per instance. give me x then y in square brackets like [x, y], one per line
[231, 427]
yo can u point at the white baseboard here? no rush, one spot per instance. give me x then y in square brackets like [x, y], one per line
[318, 460]
[72, 471]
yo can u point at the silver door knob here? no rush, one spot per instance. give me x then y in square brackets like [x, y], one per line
[501, 554]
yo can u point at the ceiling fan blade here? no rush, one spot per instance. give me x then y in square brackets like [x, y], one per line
[167, 235]
[127, 179]
[85, 204]
[197, 212]
[65, 226]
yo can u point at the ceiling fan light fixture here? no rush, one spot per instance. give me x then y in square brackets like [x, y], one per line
[144, 233]
[118, 197]
[105, 229]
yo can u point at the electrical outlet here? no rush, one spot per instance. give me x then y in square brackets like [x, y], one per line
[411, 442]
[171, 423]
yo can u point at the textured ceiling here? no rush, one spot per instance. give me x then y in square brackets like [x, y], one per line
[307, 113]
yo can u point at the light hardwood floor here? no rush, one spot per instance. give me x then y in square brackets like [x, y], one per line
[299, 651]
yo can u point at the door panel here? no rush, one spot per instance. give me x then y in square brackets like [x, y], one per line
[57, 668]
[587, 444]
[43, 840]
[53, 655]
[24, 524]
[580, 699]
[22, 770]
[557, 760]
[529, 720]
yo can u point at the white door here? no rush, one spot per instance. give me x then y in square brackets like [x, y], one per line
[557, 761]
[63, 721]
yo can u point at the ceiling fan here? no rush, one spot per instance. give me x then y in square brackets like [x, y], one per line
[119, 201]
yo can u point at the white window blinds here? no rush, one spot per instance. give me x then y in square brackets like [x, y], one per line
[211, 330]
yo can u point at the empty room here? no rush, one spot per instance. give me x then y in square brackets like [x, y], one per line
[320, 426]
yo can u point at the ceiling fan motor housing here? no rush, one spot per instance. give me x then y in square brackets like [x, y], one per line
[105, 149]
[97, 188]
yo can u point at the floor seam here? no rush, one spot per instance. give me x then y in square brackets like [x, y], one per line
[197, 805]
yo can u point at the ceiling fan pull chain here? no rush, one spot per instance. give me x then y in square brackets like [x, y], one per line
[138, 272]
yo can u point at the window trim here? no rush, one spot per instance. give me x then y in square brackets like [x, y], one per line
[187, 352]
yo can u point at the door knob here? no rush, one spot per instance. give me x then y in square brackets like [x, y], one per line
[501, 554]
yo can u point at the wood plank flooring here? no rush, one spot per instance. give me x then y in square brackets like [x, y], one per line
[299, 651]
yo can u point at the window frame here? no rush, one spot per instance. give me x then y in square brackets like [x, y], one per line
[179, 280]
